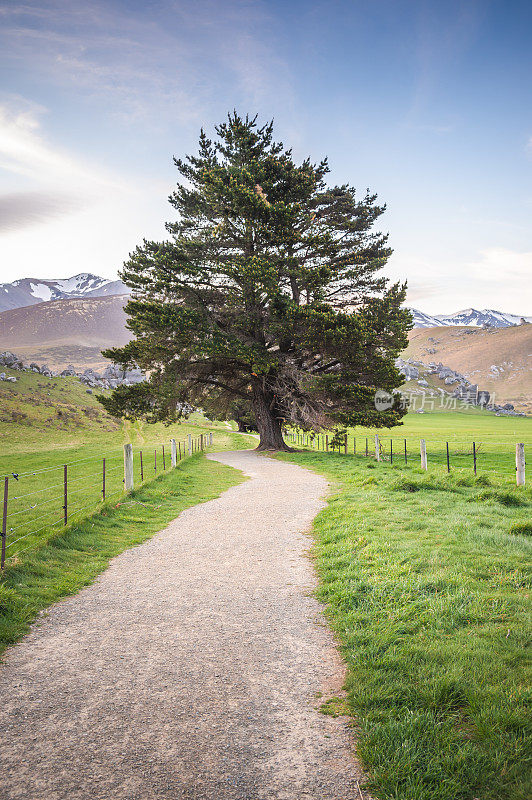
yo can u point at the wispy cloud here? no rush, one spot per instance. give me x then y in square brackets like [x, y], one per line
[25, 151]
[20, 210]
[168, 60]
[93, 217]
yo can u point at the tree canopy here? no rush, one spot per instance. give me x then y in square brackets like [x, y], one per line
[266, 293]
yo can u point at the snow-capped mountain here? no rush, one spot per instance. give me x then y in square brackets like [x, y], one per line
[422, 320]
[29, 291]
[470, 317]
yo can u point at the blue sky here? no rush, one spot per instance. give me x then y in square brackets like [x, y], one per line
[427, 103]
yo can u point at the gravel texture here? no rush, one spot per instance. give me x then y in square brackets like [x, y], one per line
[190, 668]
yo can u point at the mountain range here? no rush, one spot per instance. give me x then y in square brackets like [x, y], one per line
[30, 291]
[489, 347]
[470, 317]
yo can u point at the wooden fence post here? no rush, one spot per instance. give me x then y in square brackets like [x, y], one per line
[190, 444]
[210, 435]
[520, 464]
[423, 450]
[4, 523]
[65, 494]
[173, 453]
[128, 467]
[377, 448]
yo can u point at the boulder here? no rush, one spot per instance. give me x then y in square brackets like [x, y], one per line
[8, 359]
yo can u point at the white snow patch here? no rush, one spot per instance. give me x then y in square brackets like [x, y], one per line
[41, 290]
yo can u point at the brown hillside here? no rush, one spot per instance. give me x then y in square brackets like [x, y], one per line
[473, 352]
[61, 332]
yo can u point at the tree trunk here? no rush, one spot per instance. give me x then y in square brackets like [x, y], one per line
[269, 426]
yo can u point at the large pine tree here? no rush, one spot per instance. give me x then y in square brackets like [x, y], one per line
[267, 293]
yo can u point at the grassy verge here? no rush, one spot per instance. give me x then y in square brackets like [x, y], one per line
[426, 579]
[71, 559]
[35, 510]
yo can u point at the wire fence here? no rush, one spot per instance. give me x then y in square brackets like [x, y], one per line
[503, 457]
[39, 502]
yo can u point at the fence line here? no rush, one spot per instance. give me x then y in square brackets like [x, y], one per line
[321, 442]
[75, 490]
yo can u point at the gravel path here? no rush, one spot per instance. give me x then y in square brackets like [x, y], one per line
[190, 668]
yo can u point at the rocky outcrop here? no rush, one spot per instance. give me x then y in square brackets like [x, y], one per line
[463, 390]
[112, 377]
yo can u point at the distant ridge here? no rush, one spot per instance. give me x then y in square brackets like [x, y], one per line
[30, 291]
[470, 317]
[65, 331]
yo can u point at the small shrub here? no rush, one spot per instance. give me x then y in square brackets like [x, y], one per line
[406, 485]
[482, 480]
[465, 481]
[522, 529]
[504, 498]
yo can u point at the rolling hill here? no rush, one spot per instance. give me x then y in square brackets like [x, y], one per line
[66, 331]
[498, 359]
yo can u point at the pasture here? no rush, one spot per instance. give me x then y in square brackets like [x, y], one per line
[53, 434]
[494, 437]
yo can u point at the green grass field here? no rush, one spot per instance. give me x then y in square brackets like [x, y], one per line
[47, 424]
[426, 579]
[495, 439]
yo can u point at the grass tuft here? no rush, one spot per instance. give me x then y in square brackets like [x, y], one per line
[508, 499]
[521, 529]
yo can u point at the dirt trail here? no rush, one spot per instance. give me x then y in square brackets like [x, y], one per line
[190, 668]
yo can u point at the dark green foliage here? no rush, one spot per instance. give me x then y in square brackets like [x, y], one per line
[266, 292]
[241, 412]
[505, 498]
[522, 529]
